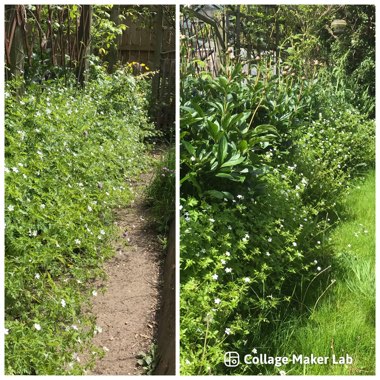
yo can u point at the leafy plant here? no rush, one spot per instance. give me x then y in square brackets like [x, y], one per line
[69, 157]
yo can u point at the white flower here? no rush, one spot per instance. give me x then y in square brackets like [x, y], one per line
[74, 327]
[228, 270]
[6, 331]
[37, 326]
[315, 262]
[77, 241]
[42, 206]
[240, 196]
[63, 303]
[11, 208]
[269, 239]
[37, 276]
[15, 169]
[228, 253]
[223, 261]
[229, 227]
[282, 373]
[6, 170]
[268, 254]
[227, 331]
[94, 293]
[215, 276]
[97, 330]
[187, 361]
[349, 245]
[39, 153]
[318, 242]
[102, 232]
[76, 357]
[247, 279]
[217, 301]
[254, 351]
[212, 220]
[294, 244]
[319, 268]
[192, 158]
[89, 208]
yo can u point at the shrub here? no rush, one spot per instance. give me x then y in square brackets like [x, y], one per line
[255, 254]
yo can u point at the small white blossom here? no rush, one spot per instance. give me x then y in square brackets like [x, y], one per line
[215, 276]
[89, 208]
[37, 326]
[319, 268]
[11, 208]
[269, 239]
[77, 241]
[42, 206]
[228, 270]
[212, 220]
[228, 253]
[102, 232]
[223, 261]
[94, 293]
[15, 169]
[294, 244]
[217, 301]
[37, 276]
[227, 331]
[74, 327]
[247, 279]
[6, 331]
[63, 303]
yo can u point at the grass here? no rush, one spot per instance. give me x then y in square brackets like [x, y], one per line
[343, 321]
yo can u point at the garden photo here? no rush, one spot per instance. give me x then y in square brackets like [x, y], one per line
[277, 190]
[89, 178]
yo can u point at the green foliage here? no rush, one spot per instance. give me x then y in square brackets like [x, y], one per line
[219, 137]
[255, 248]
[69, 155]
[148, 360]
[333, 327]
[161, 191]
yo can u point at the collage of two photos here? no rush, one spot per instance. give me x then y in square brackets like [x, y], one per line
[189, 189]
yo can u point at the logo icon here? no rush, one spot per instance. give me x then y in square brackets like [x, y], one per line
[231, 359]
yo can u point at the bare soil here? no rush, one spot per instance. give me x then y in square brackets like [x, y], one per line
[127, 311]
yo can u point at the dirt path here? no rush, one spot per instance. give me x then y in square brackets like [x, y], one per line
[126, 312]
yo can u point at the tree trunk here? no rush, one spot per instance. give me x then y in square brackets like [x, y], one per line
[84, 40]
[15, 52]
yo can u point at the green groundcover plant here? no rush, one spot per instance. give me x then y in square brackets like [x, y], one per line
[264, 161]
[70, 156]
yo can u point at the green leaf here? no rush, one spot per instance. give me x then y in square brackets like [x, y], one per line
[234, 160]
[222, 150]
[188, 147]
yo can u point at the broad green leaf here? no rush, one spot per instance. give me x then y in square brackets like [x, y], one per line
[222, 150]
